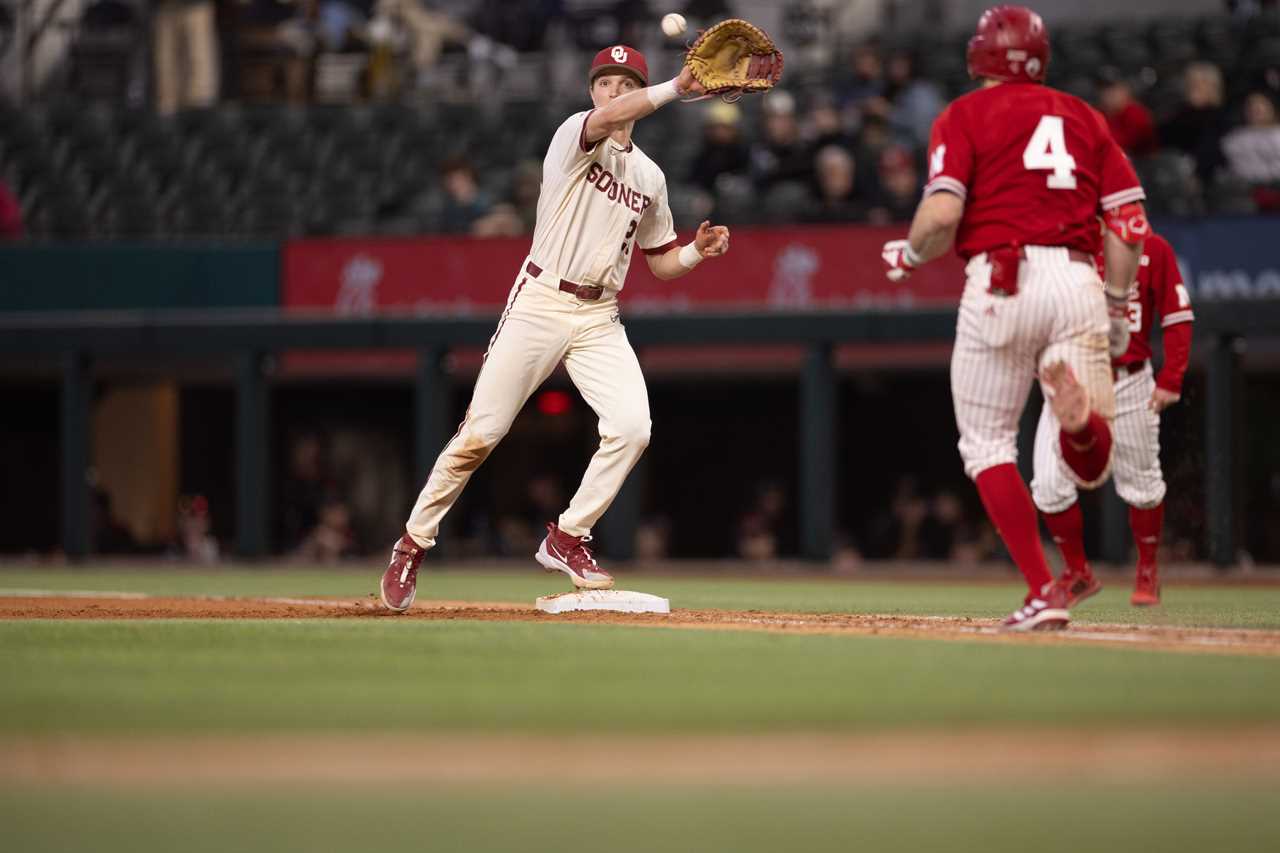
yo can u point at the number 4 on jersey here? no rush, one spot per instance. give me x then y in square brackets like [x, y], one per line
[1048, 150]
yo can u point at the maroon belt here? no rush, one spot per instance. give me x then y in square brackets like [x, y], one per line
[1120, 371]
[585, 292]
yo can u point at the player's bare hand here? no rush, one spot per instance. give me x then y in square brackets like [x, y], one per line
[712, 240]
[688, 84]
[1162, 399]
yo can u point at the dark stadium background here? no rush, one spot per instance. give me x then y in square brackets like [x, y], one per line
[120, 202]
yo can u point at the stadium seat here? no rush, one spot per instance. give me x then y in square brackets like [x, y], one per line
[1169, 178]
[1230, 195]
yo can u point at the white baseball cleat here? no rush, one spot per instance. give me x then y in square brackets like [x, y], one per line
[560, 552]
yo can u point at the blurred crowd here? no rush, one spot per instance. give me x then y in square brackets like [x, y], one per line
[844, 143]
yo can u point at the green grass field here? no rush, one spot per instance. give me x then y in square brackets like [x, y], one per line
[354, 677]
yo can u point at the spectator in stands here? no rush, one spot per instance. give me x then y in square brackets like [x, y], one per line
[899, 187]
[861, 91]
[185, 48]
[706, 13]
[853, 20]
[914, 103]
[10, 214]
[723, 151]
[893, 533]
[837, 196]
[338, 21]
[1253, 150]
[430, 29]
[1131, 123]
[464, 200]
[653, 539]
[517, 214]
[780, 155]
[305, 490]
[331, 539]
[519, 532]
[284, 29]
[195, 540]
[110, 534]
[760, 528]
[519, 24]
[1197, 128]
[825, 126]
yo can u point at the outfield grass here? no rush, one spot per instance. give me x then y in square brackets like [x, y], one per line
[1236, 607]
[1169, 817]
[364, 675]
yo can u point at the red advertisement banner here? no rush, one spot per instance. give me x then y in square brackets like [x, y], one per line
[767, 268]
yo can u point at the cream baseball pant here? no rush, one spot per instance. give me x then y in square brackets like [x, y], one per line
[1135, 455]
[540, 327]
[186, 55]
[1059, 313]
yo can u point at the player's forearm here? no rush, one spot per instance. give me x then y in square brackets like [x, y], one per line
[675, 263]
[1177, 353]
[630, 107]
[1120, 260]
[933, 230]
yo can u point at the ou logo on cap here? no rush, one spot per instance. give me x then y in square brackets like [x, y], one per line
[619, 54]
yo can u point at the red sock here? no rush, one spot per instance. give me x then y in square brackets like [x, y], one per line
[1067, 529]
[1010, 509]
[1088, 451]
[1146, 524]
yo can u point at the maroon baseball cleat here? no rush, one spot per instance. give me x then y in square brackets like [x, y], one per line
[1080, 586]
[560, 552]
[400, 580]
[1146, 588]
[1048, 612]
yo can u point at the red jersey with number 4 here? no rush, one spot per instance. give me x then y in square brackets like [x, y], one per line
[1157, 292]
[1033, 165]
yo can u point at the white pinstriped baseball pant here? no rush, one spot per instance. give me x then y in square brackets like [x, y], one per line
[1058, 314]
[1135, 455]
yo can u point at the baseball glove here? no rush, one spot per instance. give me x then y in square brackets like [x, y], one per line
[733, 58]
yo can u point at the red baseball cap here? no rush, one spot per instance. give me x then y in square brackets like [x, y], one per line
[620, 58]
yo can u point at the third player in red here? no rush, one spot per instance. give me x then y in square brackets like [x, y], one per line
[1157, 294]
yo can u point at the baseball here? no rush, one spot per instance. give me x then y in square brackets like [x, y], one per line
[673, 24]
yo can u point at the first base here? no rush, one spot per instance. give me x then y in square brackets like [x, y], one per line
[617, 600]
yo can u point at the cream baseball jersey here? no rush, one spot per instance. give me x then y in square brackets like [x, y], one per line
[600, 203]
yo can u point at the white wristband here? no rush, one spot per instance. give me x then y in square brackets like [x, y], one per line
[689, 256]
[663, 93]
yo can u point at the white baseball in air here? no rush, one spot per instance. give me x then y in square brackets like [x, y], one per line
[673, 24]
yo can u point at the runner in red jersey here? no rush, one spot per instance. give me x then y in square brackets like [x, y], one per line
[1018, 174]
[1141, 395]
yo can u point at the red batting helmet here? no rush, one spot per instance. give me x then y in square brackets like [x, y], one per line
[1011, 44]
[620, 58]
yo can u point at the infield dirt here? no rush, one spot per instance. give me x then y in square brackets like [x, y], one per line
[1235, 641]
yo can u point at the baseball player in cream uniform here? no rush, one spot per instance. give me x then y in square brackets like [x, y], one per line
[602, 201]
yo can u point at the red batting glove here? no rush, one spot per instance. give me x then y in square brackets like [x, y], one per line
[897, 255]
